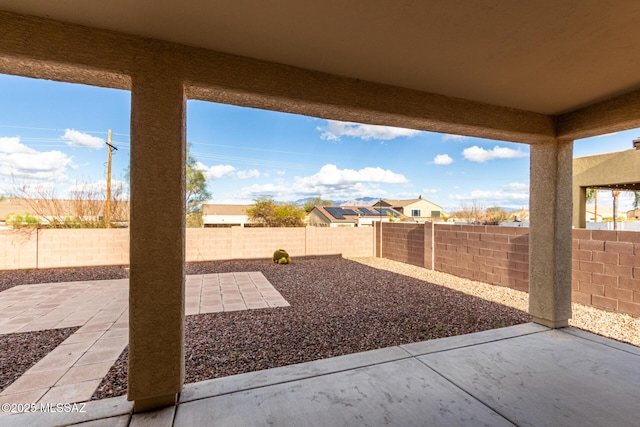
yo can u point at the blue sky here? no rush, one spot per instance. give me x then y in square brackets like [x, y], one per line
[52, 136]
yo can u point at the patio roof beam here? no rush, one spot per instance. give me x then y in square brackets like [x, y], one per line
[48, 49]
[614, 115]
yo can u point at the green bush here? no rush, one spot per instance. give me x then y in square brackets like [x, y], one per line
[18, 221]
[281, 257]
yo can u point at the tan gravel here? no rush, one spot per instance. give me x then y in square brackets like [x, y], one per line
[619, 326]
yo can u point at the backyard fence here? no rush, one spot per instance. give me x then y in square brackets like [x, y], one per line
[605, 268]
[606, 264]
[52, 248]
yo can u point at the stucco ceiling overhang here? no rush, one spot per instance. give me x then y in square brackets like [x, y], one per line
[550, 56]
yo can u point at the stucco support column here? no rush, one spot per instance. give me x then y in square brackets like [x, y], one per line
[156, 293]
[550, 233]
[580, 202]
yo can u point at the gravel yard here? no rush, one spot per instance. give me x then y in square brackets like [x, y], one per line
[20, 351]
[338, 306]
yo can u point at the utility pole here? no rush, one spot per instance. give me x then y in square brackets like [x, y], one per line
[110, 149]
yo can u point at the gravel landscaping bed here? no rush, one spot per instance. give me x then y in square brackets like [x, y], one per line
[618, 326]
[338, 306]
[20, 351]
[11, 278]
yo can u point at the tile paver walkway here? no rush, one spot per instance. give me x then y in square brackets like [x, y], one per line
[74, 369]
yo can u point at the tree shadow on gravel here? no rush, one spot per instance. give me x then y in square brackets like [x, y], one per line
[337, 307]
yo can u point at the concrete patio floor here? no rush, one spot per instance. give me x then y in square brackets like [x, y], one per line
[525, 375]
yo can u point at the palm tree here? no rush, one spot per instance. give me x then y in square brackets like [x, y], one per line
[615, 194]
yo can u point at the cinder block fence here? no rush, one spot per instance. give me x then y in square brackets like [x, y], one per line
[606, 264]
[52, 248]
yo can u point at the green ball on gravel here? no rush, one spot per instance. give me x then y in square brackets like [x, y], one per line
[281, 257]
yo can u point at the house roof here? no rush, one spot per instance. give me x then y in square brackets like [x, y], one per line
[214, 209]
[549, 57]
[57, 207]
[407, 202]
[348, 214]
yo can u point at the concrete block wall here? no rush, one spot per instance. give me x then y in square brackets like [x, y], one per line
[49, 248]
[52, 248]
[351, 242]
[491, 254]
[262, 242]
[606, 269]
[18, 249]
[606, 264]
[408, 243]
[208, 244]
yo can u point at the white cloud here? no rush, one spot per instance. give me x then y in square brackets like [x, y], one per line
[480, 155]
[74, 138]
[449, 137]
[98, 187]
[330, 175]
[219, 171]
[517, 186]
[12, 145]
[225, 171]
[216, 171]
[512, 195]
[430, 190]
[19, 161]
[442, 159]
[252, 173]
[281, 172]
[331, 183]
[333, 130]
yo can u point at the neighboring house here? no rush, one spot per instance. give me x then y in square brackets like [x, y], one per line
[10, 206]
[225, 215]
[602, 213]
[633, 214]
[350, 216]
[521, 215]
[419, 209]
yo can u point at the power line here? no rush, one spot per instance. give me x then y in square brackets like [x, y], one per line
[61, 130]
[250, 161]
[240, 147]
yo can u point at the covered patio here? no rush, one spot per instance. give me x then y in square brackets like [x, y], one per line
[543, 74]
[524, 375]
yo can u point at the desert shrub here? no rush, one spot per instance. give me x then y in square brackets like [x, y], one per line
[18, 221]
[281, 257]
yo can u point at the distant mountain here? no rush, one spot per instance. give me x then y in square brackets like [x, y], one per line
[302, 202]
[362, 201]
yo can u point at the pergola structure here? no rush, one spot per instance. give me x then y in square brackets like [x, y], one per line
[619, 170]
[542, 73]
